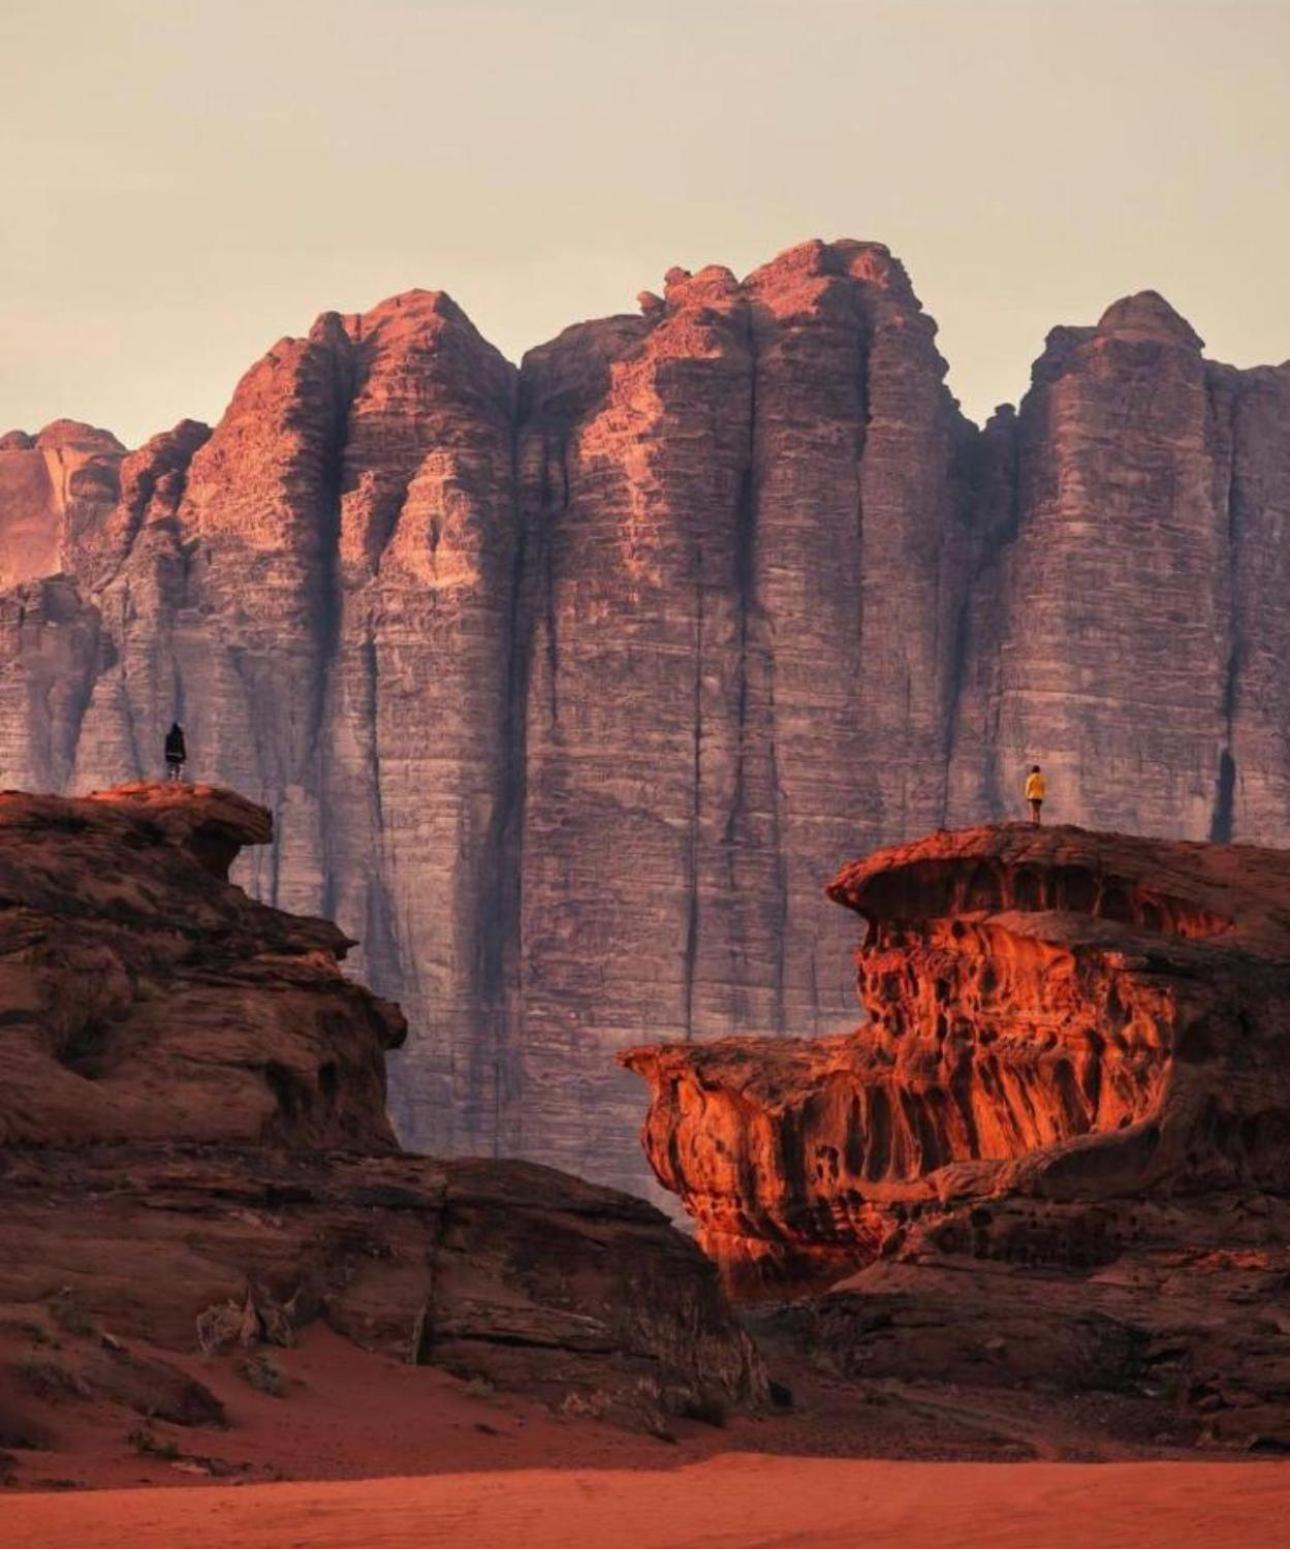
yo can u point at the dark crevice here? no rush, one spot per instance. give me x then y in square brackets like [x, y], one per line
[85, 1050]
[1220, 828]
[744, 578]
[329, 600]
[79, 707]
[965, 481]
[1222, 822]
[329, 604]
[864, 340]
[547, 571]
[372, 681]
[746, 539]
[692, 855]
[498, 926]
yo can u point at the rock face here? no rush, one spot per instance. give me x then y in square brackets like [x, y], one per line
[566, 686]
[194, 1149]
[754, 475]
[1129, 596]
[1069, 1109]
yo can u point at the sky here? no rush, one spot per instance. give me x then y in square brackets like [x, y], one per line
[184, 181]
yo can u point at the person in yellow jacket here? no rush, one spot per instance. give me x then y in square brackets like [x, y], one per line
[1035, 791]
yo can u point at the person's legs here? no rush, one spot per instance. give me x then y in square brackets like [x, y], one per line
[1035, 804]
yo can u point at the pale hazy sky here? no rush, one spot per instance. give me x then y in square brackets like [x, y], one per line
[183, 181]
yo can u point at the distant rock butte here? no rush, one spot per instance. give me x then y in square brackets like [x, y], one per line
[566, 686]
[194, 1153]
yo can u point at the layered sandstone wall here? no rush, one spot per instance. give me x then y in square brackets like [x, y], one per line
[1122, 622]
[567, 686]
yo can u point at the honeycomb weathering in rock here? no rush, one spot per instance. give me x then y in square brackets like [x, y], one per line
[1052, 1014]
[567, 685]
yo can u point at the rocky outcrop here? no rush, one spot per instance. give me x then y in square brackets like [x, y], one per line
[566, 686]
[1053, 1157]
[194, 1152]
[1057, 1016]
[147, 998]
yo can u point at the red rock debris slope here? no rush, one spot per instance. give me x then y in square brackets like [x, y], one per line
[194, 1155]
[1062, 1135]
[567, 685]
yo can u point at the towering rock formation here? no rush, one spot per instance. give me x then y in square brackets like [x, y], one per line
[568, 686]
[1128, 599]
[741, 619]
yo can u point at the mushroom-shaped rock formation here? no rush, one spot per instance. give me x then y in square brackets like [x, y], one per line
[1063, 1027]
[194, 1153]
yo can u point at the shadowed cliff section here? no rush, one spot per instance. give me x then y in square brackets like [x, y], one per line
[567, 685]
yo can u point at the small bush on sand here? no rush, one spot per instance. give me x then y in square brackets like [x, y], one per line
[48, 1378]
[264, 1375]
[148, 1444]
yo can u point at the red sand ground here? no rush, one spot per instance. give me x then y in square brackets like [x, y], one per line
[376, 1455]
[736, 1501]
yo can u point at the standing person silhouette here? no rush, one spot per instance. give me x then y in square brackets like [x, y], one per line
[176, 752]
[1036, 789]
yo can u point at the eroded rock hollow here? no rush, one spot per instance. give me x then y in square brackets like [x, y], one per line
[567, 685]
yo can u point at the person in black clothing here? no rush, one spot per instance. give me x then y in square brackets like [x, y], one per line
[176, 752]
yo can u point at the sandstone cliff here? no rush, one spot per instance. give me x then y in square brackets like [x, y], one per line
[195, 1154]
[1061, 1134]
[566, 686]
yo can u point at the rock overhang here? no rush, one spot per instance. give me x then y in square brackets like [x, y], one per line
[1054, 1014]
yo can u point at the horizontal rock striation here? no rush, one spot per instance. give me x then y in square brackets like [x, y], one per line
[565, 685]
[195, 1153]
[1065, 1022]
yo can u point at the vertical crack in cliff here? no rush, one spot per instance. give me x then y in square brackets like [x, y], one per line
[498, 927]
[80, 704]
[735, 834]
[385, 956]
[691, 950]
[329, 611]
[1223, 821]
[991, 778]
[745, 521]
[547, 572]
[864, 343]
[966, 477]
